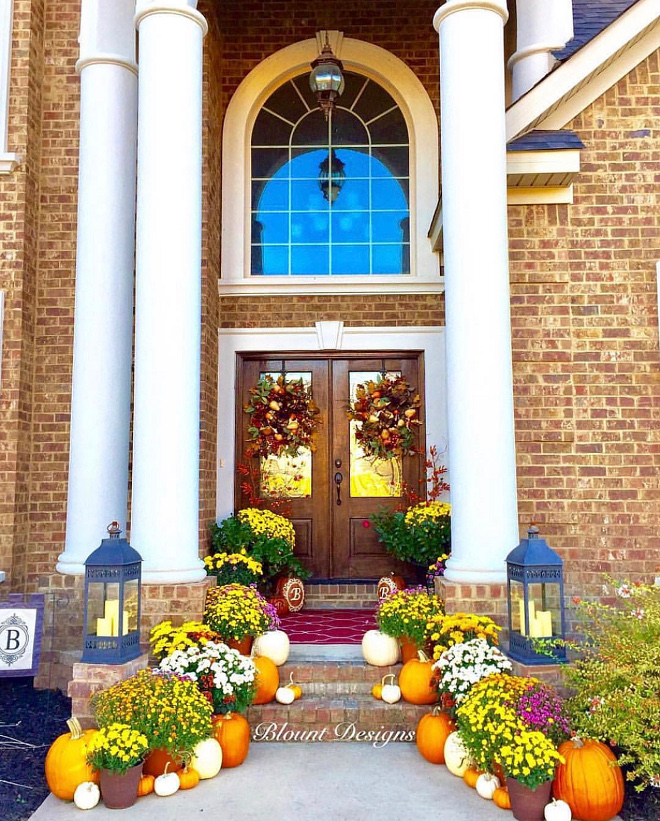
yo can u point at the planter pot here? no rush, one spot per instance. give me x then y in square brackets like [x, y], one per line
[528, 804]
[244, 645]
[232, 732]
[497, 771]
[119, 790]
[157, 760]
[408, 650]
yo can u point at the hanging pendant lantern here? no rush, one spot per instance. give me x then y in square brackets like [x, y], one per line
[327, 79]
[331, 176]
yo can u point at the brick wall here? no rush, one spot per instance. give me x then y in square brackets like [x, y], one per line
[19, 199]
[583, 283]
[586, 359]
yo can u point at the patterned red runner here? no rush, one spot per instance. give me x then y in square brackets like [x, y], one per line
[328, 626]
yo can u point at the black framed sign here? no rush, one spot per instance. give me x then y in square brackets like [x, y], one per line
[21, 630]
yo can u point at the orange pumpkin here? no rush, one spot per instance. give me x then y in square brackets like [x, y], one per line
[157, 760]
[232, 732]
[146, 785]
[590, 781]
[188, 778]
[471, 775]
[268, 679]
[502, 799]
[432, 732]
[377, 691]
[416, 680]
[66, 762]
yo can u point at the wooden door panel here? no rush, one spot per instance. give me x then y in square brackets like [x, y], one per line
[333, 541]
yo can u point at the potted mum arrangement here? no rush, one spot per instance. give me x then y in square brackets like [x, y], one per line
[117, 751]
[457, 628]
[170, 711]
[515, 723]
[234, 568]
[262, 535]
[238, 614]
[405, 614]
[420, 535]
[462, 665]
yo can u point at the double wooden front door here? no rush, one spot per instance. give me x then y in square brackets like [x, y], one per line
[332, 492]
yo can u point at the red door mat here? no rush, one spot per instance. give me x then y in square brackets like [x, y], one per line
[328, 626]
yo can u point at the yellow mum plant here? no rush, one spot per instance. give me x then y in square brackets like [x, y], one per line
[456, 628]
[170, 711]
[406, 613]
[117, 748]
[235, 611]
[165, 638]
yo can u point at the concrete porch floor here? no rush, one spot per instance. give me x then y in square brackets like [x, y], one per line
[311, 782]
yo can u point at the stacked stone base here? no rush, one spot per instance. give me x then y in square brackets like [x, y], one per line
[90, 678]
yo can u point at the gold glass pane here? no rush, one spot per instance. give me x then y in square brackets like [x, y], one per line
[371, 477]
[287, 477]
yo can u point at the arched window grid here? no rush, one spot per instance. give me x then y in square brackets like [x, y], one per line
[402, 246]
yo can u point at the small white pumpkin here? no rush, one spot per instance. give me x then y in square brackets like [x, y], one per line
[379, 649]
[207, 758]
[285, 695]
[274, 645]
[557, 810]
[87, 795]
[167, 783]
[457, 757]
[391, 692]
[486, 785]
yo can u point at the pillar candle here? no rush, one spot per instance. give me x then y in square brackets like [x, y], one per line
[544, 618]
[532, 613]
[124, 622]
[535, 628]
[104, 627]
[112, 615]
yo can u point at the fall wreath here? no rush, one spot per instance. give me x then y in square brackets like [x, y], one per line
[283, 417]
[388, 412]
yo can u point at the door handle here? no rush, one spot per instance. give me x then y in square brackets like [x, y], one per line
[338, 480]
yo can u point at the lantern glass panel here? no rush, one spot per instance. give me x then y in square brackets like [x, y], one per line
[131, 606]
[99, 611]
[517, 607]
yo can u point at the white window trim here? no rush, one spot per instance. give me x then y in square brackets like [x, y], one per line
[232, 341]
[409, 94]
[8, 160]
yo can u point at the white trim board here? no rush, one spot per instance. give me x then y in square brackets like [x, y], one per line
[232, 341]
[588, 73]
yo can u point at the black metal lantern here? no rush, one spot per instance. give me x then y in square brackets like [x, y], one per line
[331, 176]
[327, 79]
[112, 601]
[535, 586]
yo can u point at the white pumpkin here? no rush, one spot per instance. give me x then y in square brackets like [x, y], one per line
[167, 783]
[207, 758]
[285, 695]
[379, 649]
[274, 645]
[557, 810]
[457, 757]
[87, 795]
[486, 785]
[391, 693]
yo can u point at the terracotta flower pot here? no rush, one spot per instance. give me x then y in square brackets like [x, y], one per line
[119, 790]
[528, 804]
[408, 650]
[243, 645]
[157, 760]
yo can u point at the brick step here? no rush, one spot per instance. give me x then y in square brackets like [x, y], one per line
[332, 672]
[358, 717]
[327, 596]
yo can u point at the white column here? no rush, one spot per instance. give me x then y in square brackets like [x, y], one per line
[542, 27]
[103, 322]
[479, 372]
[165, 508]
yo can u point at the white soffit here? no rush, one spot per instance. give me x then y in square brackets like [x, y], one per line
[588, 73]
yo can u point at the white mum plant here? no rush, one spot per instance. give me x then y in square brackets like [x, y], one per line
[463, 665]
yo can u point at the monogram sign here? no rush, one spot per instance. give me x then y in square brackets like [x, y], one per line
[21, 621]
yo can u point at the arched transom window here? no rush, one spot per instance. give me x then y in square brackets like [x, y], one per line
[330, 197]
